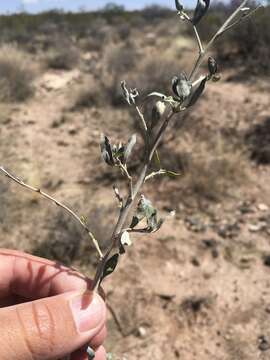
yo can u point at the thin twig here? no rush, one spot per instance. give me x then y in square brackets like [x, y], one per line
[142, 118]
[155, 173]
[217, 34]
[243, 18]
[56, 202]
[129, 177]
[115, 318]
[201, 50]
[118, 196]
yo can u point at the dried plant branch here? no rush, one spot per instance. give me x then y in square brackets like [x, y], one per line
[242, 18]
[186, 91]
[118, 196]
[142, 118]
[201, 50]
[221, 30]
[114, 241]
[56, 202]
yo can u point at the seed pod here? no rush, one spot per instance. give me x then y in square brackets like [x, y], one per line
[157, 112]
[106, 150]
[178, 6]
[197, 93]
[212, 66]
[181, 86]
[200, 11]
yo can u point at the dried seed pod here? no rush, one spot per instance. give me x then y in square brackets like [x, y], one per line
[200, 11]
[212, 66]
[179, 7]
[181, 86]
[106, 150]
[198, 92]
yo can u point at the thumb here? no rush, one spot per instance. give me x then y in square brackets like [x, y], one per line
[50, 328]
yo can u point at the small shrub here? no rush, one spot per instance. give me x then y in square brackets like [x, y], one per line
[214, 169]
[62, 58]
[119, 62]
[154, 74]
[87, 95]
[248, 44]
[17, 73]
[258, 140]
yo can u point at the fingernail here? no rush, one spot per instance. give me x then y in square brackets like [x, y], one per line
[88, 311]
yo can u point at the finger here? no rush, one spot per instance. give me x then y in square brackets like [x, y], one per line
[100, 353]
[50, 328]
[96, 342]
[32, 277]
[99, 339]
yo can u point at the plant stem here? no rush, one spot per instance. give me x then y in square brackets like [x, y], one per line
[142, 118]
[129, 203]
[217, 34]
[131, 199]
[201, 50]
[56, 202]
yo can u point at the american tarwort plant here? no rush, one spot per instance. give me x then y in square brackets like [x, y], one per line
[186, 90]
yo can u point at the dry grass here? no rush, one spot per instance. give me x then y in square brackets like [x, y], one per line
[17, 73]
[88, 94]
[214, 168]
[62, 58]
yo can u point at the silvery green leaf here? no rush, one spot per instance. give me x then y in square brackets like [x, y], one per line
[212, 66]
[197, 93]
[178, 6]
[200, 11]
[171, 173]
[181, 87]
[119, 152]
[125, 239]
[158, 226]
[157, 159]
[152, 220]
[128, 148]
[145, 208]
[106, 150]
[110, 266]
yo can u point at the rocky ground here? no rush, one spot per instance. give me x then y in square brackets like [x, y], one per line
[199, 288]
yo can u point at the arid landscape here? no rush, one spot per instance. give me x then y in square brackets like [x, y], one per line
[199, 288]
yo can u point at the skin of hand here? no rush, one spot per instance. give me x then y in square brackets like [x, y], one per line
[46, 311]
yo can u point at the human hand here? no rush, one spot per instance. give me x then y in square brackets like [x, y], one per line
[46, 311]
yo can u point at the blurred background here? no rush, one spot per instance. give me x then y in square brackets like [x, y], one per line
[199, 288]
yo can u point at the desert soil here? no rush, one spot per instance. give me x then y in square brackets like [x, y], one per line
[200, 287]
